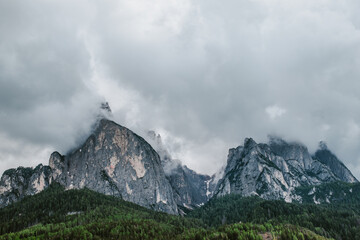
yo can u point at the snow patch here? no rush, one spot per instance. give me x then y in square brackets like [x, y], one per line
[207, 188]
[316, 201]
[253, 193]
[312, 191]
[187, 206]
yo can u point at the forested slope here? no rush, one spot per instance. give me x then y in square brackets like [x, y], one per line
[84, 214]
[337, 220]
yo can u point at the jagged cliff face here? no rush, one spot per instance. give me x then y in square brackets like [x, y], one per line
[113, 161]
[272, 171]
[304, 168]
[325, 156]
[199, 186]
[190, 189]
[15, 184]
[251, 170]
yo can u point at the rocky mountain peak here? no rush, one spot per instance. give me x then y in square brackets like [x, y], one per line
[104, 112]
[156, 141]
[326, 157]
[113, 161]
[274, 170]
[17, 183]
[106, 107]
[295, 152]
[276, 140]
[323, 145]
[120, 163]
[249, 143]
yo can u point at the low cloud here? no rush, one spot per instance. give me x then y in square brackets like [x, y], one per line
[208, 73]
[275, 111]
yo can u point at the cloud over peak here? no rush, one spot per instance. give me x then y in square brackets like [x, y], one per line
[208, 73]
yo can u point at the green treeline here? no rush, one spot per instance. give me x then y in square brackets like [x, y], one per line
[338, 221]
[85, 214]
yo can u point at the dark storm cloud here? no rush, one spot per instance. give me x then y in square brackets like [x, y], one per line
[205, 74]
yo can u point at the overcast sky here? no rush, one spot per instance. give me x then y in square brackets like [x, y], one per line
[205, 74]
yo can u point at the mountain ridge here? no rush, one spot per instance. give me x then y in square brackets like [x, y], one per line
[274, 170]
[114, 161]
[190, 188]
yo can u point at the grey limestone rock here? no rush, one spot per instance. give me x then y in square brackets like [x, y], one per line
[116, 161]
[325, 156]
[276, 169]
[190, 189]
[113, 161]
[15, 184]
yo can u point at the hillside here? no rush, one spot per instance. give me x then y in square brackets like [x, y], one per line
[339, 220]
[84, 214]
[336, 192]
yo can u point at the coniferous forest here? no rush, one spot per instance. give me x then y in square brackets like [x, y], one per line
[85, 214]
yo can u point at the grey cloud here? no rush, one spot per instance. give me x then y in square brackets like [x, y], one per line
[44, 101]
[205, 72]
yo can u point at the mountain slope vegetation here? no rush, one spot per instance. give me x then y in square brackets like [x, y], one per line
[84, 214]
[339, 220]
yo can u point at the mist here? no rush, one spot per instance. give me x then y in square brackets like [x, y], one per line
[203, 74]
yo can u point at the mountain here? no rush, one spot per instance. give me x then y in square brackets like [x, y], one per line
[190, 188]
[325, 156]
[305, 169]
[116, 161]
[17, 183]
[253, 169]
[113, 161]
[118, 186]
[272, 171]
